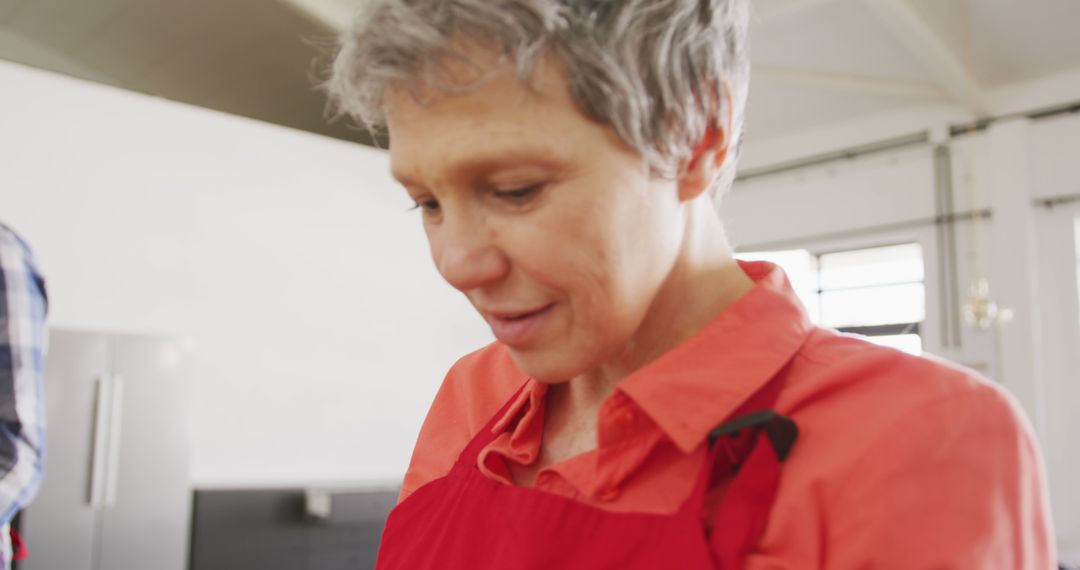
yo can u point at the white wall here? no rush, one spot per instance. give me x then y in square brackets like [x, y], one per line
[882, 189]
[1026, 250]
[322, 329]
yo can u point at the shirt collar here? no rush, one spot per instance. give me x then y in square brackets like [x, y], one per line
[695, 386]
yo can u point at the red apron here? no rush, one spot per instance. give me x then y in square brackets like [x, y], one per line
[466, 521]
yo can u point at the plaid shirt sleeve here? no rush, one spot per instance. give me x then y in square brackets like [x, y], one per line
[23, 337]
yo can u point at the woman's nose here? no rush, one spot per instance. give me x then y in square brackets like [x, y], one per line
[467, 257]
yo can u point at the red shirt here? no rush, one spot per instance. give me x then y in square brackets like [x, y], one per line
[901, 461]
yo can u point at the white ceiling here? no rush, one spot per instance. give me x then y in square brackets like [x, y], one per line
[816, 62]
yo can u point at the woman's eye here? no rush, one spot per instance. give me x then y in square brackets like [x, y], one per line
[519, 195]
[427, 206]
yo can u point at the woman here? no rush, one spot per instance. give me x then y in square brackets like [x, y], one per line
[638, 409]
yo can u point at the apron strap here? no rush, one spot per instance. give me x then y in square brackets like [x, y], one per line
[751, 447]
[739, 520]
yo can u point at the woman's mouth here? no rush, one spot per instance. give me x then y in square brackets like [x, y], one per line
[517, 328]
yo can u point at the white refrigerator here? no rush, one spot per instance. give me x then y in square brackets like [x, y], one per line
[116, 494]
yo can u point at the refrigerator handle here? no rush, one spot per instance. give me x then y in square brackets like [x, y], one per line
[102, 399]
[115, 412]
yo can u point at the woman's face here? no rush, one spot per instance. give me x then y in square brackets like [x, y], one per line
[554, 229]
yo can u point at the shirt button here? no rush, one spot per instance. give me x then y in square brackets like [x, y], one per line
[609, 494]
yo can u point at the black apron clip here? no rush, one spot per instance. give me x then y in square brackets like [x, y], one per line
[781, 430]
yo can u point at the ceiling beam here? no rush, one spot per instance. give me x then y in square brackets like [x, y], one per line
[921, 41]
[852, 83]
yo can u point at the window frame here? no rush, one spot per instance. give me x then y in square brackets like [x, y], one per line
[930, 328]
[889, 329]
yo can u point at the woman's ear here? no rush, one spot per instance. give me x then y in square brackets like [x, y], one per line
[708, 157]
[704, 164]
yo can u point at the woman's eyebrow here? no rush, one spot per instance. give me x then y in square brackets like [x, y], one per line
[476, 165]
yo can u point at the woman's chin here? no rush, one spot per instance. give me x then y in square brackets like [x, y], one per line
[545, 365]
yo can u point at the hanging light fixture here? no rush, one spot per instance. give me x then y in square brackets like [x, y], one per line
[981, 310]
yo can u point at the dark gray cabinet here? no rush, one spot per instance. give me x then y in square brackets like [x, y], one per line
[116, 494]
[267, 529]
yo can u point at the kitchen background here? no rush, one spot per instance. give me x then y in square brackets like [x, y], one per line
[247, 327]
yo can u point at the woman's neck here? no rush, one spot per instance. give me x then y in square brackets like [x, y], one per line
[705, 280]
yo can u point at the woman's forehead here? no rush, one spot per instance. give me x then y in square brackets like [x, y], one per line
[498, 121]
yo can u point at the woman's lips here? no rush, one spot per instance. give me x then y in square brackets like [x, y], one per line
[516, 329]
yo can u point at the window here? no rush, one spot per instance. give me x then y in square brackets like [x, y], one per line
[878, 292]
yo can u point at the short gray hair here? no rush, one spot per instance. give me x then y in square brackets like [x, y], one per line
[653, 70]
